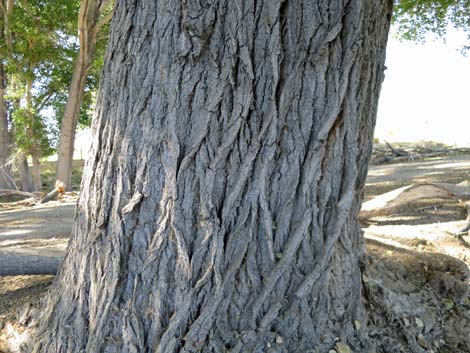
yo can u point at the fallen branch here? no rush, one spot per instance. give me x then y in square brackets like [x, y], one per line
[15, 264]
[58, 190]
[397, 152]
[388, 154]
[6, 192]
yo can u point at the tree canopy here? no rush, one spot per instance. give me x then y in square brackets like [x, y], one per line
[413, 19]
[38, 46]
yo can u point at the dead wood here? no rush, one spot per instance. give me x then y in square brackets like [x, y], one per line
[58, 190]
[397, 152]
[15, 264]
[388, 154]
[6, 192]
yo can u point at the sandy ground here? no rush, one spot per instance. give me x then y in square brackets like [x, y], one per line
[40, 230]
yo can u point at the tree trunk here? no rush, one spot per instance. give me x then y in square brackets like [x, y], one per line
[89, 25]
[69, 123]
[6, 178]
[36, 171]
[219, 206]
[25, 175]
[34, 150]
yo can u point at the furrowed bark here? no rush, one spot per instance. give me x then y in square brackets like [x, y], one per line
[219, 202]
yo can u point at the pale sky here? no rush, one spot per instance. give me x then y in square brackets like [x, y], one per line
[426, 92]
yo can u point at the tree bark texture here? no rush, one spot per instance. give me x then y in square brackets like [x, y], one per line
[89, 25]
[219, 204]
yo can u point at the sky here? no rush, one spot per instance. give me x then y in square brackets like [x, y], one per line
[426, 92]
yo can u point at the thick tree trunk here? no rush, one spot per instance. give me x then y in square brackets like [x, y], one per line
[219, 203]
[89, 24]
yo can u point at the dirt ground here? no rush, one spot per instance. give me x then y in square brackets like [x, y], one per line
[416, 272]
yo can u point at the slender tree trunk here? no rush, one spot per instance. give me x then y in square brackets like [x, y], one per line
[219, 203]
[89, 24]
[35, 150]
[6, 177]
[69, 123]
[36, 171]
[25, 175]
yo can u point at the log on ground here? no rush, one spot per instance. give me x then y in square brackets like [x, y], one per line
[17, 264]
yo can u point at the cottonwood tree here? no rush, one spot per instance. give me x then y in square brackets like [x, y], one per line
[92, 17]
[35, 39]
[6, 178]
[36, 63]
[219, 202]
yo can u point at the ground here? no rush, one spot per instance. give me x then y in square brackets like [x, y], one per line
[416, 272]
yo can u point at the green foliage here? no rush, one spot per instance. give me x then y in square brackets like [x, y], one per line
[38, 57]
[413, 19]
[44, 45]
[30, 132]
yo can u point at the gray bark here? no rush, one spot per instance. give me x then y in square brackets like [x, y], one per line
[89, 24]
[25, 175]
[37, 183]
[14, 264]
[219, 203]
[6, 178]
[34, 151]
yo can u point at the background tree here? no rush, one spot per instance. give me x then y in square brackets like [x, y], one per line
[219, 203]
[35, 30]
[6, 177]
[93, 16]
[37, 62]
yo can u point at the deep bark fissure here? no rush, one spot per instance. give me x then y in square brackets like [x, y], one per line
[235, 227]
